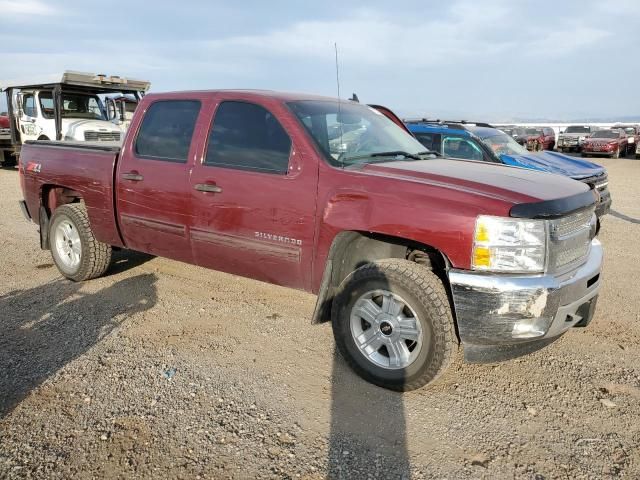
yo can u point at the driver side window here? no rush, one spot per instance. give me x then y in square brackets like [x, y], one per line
[29, 105]
[458, 147]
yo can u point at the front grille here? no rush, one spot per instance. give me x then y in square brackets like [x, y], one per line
[91, 136]
[599, 182]
[571, 224]
[570, 241]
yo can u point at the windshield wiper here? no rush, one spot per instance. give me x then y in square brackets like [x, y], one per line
[394, 153]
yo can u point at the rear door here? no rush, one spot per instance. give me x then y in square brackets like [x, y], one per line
[153, 191]
[254, 195]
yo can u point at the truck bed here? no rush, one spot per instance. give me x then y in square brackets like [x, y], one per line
[89, 167]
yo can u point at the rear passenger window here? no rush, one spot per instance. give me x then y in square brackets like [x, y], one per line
[166, 130]
[246, 136]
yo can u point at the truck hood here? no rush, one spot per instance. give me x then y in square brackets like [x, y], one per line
[514, 185]
[553, 162]
[75, 128]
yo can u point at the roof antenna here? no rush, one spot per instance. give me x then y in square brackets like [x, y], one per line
[354, 98]
[339, 119]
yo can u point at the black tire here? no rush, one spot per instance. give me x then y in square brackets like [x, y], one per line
[95, 256]
[426, 295]
[582, 154]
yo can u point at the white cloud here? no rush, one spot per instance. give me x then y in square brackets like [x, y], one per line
[25, 7]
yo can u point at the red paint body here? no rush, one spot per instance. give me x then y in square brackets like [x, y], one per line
[607, 146]
[546, 138]
[4, 121]
[276, 228]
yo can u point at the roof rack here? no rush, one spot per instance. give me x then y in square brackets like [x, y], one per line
[449, 122]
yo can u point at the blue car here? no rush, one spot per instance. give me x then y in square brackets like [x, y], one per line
[482, 142]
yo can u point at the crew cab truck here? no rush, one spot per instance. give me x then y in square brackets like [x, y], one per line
[410, 254]
[66, 107]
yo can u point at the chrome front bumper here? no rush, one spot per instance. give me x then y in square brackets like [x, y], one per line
[504, 316]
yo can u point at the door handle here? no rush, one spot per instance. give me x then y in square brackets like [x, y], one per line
[133, 176]
[207, 187]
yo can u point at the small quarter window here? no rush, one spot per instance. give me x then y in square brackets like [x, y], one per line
[166, 130]
[246, 136]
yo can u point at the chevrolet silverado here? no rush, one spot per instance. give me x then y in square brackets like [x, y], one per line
[411, 254]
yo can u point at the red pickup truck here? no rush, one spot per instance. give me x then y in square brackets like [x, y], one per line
[410, 254]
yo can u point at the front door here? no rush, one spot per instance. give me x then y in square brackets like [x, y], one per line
[253, 196]
[153, 179]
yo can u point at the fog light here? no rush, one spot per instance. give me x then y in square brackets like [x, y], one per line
[530, 328]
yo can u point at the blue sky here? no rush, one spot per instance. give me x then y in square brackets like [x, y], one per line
[489, 59]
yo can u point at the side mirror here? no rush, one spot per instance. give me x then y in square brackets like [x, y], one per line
[111, 109]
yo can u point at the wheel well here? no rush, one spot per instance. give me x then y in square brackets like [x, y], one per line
[350, 250]
[55, 195]
[52, 197]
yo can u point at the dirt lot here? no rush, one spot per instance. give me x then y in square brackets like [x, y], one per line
[164, 370]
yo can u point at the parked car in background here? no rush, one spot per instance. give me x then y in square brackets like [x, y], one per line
[482, 142]
[5, 139]
[519, 134]
[572, 138]
[409, 253]
[611, 143]
[633, 136]
[540, 138]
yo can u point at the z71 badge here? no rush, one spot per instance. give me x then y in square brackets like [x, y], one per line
[34, 167]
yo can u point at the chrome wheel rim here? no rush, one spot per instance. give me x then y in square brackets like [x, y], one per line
[68, 246]
[386, 329]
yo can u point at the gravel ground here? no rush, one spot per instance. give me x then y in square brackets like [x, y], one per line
[165, 370]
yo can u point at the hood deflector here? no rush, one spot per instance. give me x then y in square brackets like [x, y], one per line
[555, 208]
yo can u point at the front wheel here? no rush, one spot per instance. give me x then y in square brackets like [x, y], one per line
[393, 324]
[75, 250]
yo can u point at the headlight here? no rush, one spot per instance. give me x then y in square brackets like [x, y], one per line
[581, 139]
[502, 244]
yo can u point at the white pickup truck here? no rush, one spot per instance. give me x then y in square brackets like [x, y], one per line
[67, 107]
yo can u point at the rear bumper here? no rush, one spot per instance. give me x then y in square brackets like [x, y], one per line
[505, 316]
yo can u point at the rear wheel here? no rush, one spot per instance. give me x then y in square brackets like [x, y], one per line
[393, 324]
[75, 250]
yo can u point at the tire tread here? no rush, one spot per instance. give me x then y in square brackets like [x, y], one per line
[96, 256]
[430, 291]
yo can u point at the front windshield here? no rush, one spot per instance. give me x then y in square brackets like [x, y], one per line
[503, 144]
[630, 131]
[74, 105]
[349, 133]
[533, 131]
[576, 129]
[606, 134]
